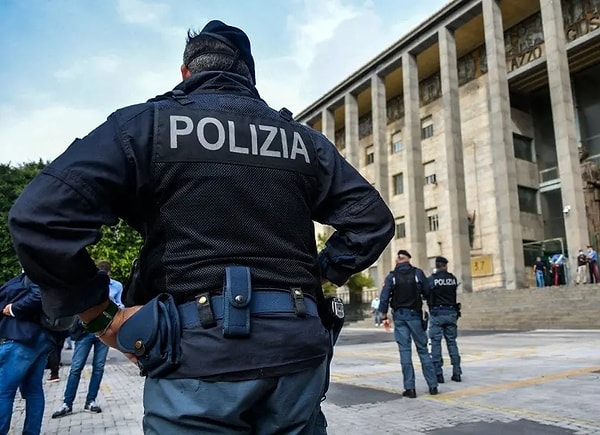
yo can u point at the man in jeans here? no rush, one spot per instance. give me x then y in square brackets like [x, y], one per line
[404, 290]
[84, 342]
[24, 348]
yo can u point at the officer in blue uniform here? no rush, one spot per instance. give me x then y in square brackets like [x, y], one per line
[443, 315]
[404, 289]
[225, 312]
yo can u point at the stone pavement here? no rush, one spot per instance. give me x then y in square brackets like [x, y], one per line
[534, 382]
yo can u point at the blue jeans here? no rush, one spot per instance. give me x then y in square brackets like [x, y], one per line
[22, 366]
[287, 404]
[377, 317]
[442, 322]
[82, 349]
[539, 278]
[408, 327]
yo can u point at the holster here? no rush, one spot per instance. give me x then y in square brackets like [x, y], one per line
[458, 307]
[153, 335]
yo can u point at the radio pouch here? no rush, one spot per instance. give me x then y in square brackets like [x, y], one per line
[237, 295]
[153, 335]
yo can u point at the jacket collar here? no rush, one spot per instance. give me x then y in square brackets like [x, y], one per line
[218, 81]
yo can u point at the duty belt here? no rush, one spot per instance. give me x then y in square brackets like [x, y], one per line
[263, 302]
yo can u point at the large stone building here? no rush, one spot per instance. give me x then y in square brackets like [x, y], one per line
[481, 130]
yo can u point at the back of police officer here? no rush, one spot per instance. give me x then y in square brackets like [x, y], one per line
[443, 315]
[224, 191]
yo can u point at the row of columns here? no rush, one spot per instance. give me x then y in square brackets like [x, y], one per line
[509, 239]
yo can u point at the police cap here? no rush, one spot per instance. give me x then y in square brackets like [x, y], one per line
[404, 253]
[441, 260]
[234, 38]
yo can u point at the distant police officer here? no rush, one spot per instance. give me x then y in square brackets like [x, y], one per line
[443, 315]
[226, 317]
[403, 290]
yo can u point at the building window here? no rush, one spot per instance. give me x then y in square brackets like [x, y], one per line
[398, 180]
[527, 200]
[429, 170]
[426, 127]
[397, 145]
[432, 219]
[523, 148]
[400, 228]
[370, 155]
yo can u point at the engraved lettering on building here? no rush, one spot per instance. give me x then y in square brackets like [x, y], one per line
[580, 17]
[524, 42]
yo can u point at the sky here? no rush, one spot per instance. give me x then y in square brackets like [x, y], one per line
[65, 65]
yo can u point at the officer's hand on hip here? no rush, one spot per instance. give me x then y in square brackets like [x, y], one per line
[109, 336]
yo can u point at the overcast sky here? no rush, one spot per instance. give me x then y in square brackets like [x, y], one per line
[65, 65]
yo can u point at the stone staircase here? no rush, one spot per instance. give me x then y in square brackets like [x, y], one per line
[560, 307]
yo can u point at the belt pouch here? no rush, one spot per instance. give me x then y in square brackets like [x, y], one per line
[237, 294]
[153, 335]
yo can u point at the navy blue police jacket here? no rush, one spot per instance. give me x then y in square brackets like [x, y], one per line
[388, 285]
[26, 306]
[210, 177]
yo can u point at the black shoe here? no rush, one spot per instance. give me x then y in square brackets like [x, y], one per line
[440, 379]
[410, 393]
[92, 407]
[62, 411]
[456, 378]
[433, 391]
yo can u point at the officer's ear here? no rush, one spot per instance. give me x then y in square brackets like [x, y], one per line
[185, 72]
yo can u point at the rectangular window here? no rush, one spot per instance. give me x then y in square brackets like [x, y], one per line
[527, 200]
[432, 219]
[370, 155]
[397, 145]
[426, 127]
[400, 228]
[523, 148]
[398, 180]
[429, 170]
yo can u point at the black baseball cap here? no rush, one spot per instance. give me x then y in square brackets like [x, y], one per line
[404, 252]
[234, 38]
[441, 260]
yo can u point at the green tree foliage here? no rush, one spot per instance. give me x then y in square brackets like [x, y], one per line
[355, 284]
[12, 181]
[119, 245]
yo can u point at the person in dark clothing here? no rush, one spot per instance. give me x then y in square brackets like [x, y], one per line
[404, 290]
[224, 191]
[539, 269]
[443, 317]
[54, 358]
[24, 348]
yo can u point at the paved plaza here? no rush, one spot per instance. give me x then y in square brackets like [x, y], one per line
[533, 382]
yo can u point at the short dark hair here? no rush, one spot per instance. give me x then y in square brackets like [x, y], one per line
[205, 53]
[103, 265]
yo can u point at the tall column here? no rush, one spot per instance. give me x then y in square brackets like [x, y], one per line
[414, 177]
[328, 124]
[456, 197]
[351, 129]
[565, 131]
[379, 111]
[328, 129]
[510, 240]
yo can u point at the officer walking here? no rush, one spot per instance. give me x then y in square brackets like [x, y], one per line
[443, 315]
[403, 290]
[226, 315]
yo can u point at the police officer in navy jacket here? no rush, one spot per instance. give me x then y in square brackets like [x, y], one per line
[443, 317]
[212, 178]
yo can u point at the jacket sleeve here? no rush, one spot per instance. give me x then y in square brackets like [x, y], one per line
[61, 212]
[424, 284]
[28, 306]
[386, 294]
[363, 222]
